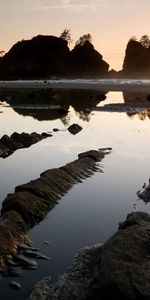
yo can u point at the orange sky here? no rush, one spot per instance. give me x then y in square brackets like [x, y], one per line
[110, 22]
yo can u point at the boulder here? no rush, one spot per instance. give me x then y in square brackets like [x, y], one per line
[119, 269]
[74, 129]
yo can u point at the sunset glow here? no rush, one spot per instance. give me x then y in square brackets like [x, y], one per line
[111, 23]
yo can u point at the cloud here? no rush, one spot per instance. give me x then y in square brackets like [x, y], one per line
[75, 5]
[78, 5]
[67, 4]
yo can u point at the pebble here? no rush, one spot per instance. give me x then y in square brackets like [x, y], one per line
[55, 129]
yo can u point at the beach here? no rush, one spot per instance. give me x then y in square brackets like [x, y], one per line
[80, 84]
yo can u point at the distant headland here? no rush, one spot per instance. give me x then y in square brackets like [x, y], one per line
[49, 57]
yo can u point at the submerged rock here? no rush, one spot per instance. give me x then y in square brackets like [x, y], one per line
[119, 269]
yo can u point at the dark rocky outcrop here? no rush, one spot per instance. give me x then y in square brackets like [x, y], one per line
[87, 62]
[19, 140]
[30, 202]
[42, 56]
[136, 62]
[119, 269]
[50, 57]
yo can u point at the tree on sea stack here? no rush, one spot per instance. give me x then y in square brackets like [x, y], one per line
[66, 35]
[83, 39]
[145, 41]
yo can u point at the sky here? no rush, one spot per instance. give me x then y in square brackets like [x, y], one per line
[110, 22]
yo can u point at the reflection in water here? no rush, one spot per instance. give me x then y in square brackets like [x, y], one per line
[52, 105]
[132, 104]
[138, 99]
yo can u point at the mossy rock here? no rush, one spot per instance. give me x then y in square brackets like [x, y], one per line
[13, 231]
[32, 208]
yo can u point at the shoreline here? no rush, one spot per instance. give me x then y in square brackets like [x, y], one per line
[97, 85]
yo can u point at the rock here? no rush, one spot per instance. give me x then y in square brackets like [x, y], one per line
[55, 129]
[33, 200]
[119, 269]
[30, 203]
[137, 61]
[31, 207]
[15, 285]
[4, 152]
[45, 134]
[46, 242]
[9, 143]
[19, 140]
[86, 62]
[39, 292]
[113, 74]
[96, 155]
[144, 193]
[26, 60]
[74, 128]
[12, 232]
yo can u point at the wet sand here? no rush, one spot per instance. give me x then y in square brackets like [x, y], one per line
[97, 85]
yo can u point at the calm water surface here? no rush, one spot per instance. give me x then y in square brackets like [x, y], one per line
[91, 211]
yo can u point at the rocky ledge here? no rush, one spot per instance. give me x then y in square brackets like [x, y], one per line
[30, 202]
[119, 269]
[19, 140]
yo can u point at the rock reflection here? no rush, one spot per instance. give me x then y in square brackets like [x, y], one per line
[133, 104]
[52, 104]
[140, 100]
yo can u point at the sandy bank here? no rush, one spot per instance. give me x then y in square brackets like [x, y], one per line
[99, 85]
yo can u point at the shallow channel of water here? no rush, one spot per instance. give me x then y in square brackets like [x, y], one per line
[91, 211]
